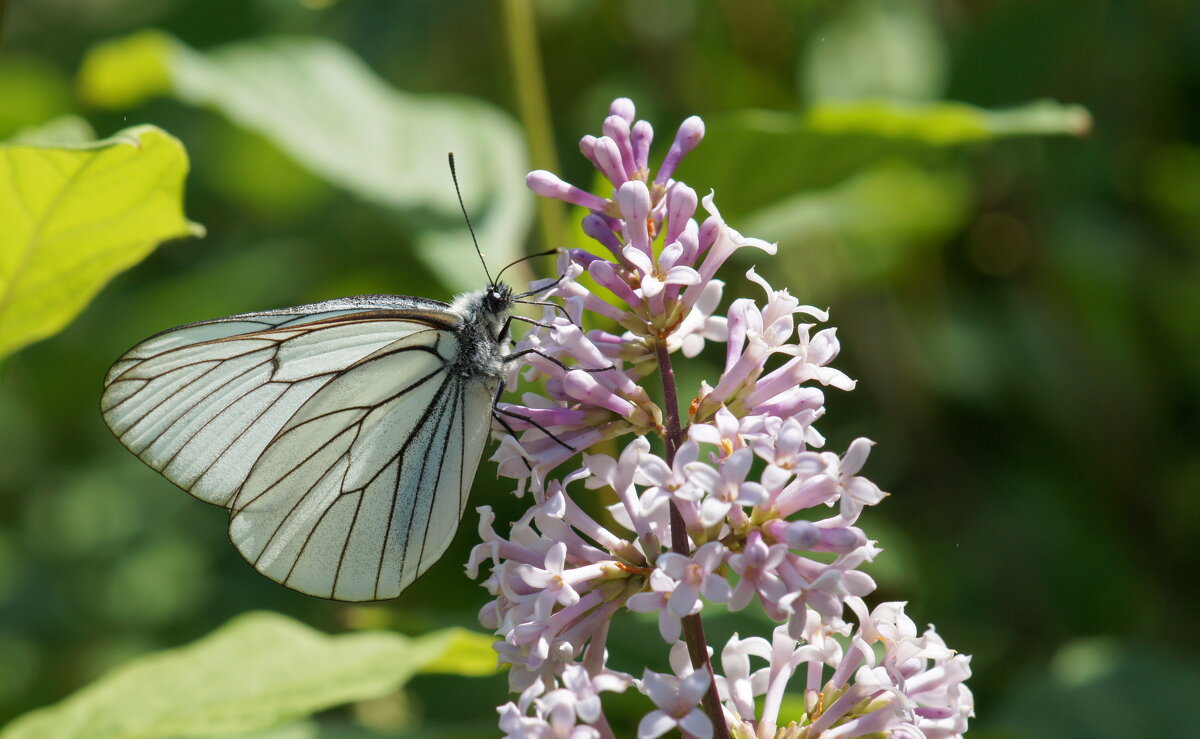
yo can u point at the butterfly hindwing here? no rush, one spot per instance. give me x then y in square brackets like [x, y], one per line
[364, 487]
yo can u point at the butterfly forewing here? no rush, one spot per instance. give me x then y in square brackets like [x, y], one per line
[340, 435]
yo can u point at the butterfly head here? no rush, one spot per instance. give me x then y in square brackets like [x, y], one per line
[498, 299]
[484, 314]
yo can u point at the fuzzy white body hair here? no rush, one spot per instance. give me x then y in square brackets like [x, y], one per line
[483, 314]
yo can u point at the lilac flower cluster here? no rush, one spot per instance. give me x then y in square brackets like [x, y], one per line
[767, 517]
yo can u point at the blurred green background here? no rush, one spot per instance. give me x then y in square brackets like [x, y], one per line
[1018, 295]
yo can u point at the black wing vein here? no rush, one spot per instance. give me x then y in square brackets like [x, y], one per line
[418, 428]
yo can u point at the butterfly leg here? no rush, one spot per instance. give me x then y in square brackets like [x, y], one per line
[522, 297]
[535, 424]
[554, 360]
[498, 412]
[530, 321]
[499, 418]
[547, 304]
[517, 355]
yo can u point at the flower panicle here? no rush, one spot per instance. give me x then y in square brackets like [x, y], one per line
[770, 517]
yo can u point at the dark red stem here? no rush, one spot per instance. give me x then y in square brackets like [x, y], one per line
[693, 629]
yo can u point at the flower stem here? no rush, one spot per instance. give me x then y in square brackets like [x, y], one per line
[693, 629]
[520, 30]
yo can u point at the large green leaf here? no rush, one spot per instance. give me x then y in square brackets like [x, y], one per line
[321, 105]
[74, 217]
[258, 671]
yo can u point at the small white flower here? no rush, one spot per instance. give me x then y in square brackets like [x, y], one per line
[669, 622]
[856, 492]
[694, 576]
[757, 565]
[701, 325]
[677, 702]
[727, 487]
[551, 580]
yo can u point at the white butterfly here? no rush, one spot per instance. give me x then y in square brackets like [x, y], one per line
[342, 436]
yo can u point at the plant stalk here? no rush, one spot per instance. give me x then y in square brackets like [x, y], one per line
[693, 629]
[525, 60]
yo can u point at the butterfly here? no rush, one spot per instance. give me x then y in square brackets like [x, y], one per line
[342, 436]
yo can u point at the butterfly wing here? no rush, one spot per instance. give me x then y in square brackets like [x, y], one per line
[259, 413]
[363, 488]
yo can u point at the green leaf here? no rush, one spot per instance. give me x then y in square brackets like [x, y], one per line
[946, 123]
[75, 217]
[258, 671]
[872, 48]
[63, 130]
[820, 148]
[325, 108]
[347, 729]
[298, 730]
[1102, 687]
[464, 652]
[33, 91]
[124, 72]
[866, 227]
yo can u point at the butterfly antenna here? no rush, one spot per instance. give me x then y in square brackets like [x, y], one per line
[546, 253]
[461, 204]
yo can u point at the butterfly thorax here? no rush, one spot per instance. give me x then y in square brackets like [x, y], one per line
[484, 314]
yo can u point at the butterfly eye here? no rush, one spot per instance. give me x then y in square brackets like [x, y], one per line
[496, 300]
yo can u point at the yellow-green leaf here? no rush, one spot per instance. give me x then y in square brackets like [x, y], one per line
[75, 217]
[258, 671]
[123, 72]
